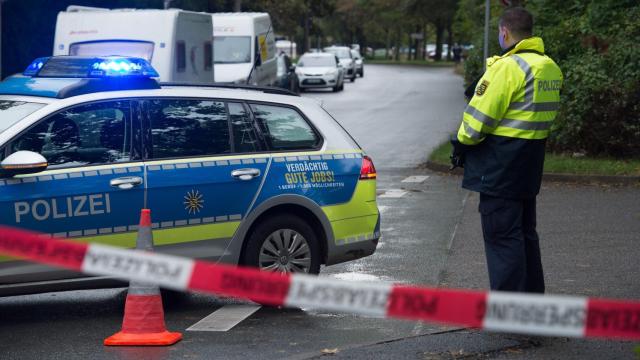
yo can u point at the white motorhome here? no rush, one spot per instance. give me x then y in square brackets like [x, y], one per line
[178, 43]
[239, 41]
[287, 47]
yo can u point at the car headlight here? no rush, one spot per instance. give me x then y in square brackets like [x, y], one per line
[331, 72]
[299, 72]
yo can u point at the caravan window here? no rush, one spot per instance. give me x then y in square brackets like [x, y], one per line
[141, 49]
[208, 55]
[231, 49]
[181, 56]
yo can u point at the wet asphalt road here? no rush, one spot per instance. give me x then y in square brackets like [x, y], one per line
[430, 237]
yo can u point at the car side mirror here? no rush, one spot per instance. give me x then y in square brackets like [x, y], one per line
[22, 162]
[292, 68]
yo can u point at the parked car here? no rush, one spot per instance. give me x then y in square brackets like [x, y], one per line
[232, 173]
[359, 61]
[287, 77]
[320, 70]
[346, 60]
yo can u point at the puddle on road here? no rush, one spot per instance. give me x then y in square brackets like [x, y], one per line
[352, 276]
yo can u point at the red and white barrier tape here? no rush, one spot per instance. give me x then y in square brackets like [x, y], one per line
[494, 311]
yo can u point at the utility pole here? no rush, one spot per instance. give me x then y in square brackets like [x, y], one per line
[237, 6]
[167, 3]
[487, 13]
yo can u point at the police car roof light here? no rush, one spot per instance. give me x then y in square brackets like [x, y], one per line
[35, 66]
[90, 67]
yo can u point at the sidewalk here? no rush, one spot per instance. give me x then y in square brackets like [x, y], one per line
[590, 242]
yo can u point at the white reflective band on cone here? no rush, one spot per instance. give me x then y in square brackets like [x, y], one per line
[167, 271]
[330, 294]
[535, 314]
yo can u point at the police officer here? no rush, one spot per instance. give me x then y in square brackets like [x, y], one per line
[501, 143]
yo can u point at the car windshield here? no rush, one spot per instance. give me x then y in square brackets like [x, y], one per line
[13, 111]
[311, 61]
[141, 49]
[231, 49]
[341, 53]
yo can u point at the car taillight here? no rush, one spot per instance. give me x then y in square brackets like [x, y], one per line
[368, 171]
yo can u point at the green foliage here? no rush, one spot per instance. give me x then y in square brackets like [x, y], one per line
[595, 43]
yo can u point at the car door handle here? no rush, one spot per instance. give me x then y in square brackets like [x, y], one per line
[126, 183]
[245, 174]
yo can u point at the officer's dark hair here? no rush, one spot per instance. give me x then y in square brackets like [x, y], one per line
[519, 22]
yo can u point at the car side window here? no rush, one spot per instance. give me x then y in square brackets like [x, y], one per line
[285, 128]
[245, 138]
[182, 128]
[98, 133]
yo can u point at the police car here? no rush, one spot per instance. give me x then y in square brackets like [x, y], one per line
[251, 176]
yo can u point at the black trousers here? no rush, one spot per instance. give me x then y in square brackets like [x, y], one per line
[511, 244]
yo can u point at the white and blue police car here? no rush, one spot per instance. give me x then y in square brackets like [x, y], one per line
[251, 176]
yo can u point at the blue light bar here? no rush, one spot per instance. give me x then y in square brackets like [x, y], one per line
[35, 66]
[113, 67]
[90, 67]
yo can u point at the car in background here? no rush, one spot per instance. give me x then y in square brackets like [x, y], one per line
[359, 61]
[287, 78]
[320, 70]
[346, 59]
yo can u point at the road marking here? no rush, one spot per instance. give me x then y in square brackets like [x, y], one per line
[393, 193]
[416, 179]
[225, 318]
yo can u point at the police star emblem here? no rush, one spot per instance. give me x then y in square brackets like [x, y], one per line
[480, 90]
[193, 201]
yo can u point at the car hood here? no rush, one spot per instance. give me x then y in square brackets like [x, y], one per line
[316, 70]
[228, 73]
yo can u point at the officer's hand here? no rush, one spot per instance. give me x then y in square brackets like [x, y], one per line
[457, 154]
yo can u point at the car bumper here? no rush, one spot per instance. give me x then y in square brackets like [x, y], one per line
[354, 248]
[317, 81]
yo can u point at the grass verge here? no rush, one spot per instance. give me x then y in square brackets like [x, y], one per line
[564, 164]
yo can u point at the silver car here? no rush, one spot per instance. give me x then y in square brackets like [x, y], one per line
[320, 70]
[346, 59]
[359, 62]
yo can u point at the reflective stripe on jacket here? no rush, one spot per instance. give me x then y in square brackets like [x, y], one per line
[508, 120]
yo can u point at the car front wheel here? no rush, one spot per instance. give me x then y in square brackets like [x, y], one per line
[283, 243]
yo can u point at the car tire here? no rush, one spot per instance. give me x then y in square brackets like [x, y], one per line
[283, 242]
[362, 73]
[353, 79]
[335, 88]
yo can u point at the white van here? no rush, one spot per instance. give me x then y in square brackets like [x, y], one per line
[287, 47]
[239, 40]
[178, 43]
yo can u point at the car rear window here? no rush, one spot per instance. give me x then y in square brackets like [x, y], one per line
[285, 128]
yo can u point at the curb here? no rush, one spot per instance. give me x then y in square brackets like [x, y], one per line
[560, 178]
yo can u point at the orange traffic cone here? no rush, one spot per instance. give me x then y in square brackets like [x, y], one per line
[143, 322]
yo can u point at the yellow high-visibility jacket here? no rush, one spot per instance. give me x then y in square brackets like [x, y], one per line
[508, 120]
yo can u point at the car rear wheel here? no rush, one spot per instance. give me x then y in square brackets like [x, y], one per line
[283, 243]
